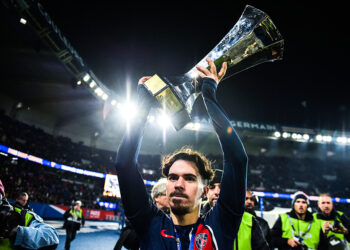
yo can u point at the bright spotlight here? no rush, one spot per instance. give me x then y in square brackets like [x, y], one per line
[277, 134]
[327, 138]
[341, 140]
[86, 78]
[98, 91]
[285, 135]
[79, 82]
[23, 21]
[113, 102]
[306, 137]
[294, 136]
[128, 110]
[92, 84]
[319, 137]
[104, 97]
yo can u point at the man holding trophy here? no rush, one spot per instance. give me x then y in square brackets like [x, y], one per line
[189, 172]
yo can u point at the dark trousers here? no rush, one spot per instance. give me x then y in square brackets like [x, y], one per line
[70, 235]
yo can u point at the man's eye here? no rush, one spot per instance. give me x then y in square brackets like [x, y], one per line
[190, 178]
[211, 186]
[172, 178]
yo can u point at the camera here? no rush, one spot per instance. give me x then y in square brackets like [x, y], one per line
[335, 225]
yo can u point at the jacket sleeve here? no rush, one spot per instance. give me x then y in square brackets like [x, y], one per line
[276, 235]
[258, 240]
[36, 235]
[137, 203]
[233, 184]
[346, 222]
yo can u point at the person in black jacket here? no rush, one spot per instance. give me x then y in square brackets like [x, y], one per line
[334, 224]
[128, 236]
[73, 220]
[297, 229]
[257, 239]
[22, 202]
[250, 203]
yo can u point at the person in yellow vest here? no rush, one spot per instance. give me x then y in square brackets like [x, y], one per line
[73, 220]
[23, 229]
[250, 235]
[334, 224]
[296, 229]
[251, 202]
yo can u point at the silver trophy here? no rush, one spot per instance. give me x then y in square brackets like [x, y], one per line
[254, 39]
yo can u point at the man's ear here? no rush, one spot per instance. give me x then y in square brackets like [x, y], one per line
[205, 192]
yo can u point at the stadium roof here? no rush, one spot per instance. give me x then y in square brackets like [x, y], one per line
[120, 44]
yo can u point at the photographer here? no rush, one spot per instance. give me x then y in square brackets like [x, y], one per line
[23, 229]
[334, 224]
[296, 229]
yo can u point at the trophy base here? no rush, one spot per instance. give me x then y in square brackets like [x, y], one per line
[168, 100]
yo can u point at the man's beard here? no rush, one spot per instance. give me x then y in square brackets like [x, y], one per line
[179, 210]
[249, 209]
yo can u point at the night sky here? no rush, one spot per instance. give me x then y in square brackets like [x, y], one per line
[306, 89]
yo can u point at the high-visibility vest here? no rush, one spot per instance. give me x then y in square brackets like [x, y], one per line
[308, 230]
[77, 214]
[5, 243]
[244, 236]
[330, 233]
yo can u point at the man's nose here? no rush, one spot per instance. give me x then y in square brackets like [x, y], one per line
[180, 183]
[217, 190]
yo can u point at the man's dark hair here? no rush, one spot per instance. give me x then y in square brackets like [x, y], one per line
[188, 154]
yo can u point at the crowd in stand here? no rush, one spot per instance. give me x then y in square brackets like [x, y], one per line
[46, 185]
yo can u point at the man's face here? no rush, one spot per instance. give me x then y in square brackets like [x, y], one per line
[325, 204]
[213, 193]
[23, 200]
[162, 202]
[184, 188]
[300, 206]
[249, 201]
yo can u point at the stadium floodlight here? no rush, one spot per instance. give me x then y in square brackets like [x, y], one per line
[285, 135]
[327, 138]
[113, 102]
[294, 136]
[99, 91]
[104, 96]
[277, 134]
[341, 140]
[348, 140]
[86, 77]
[23, 21]
[128, 110]
[92, 84]
[319, 138]
[79, 82]
[306, 137]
